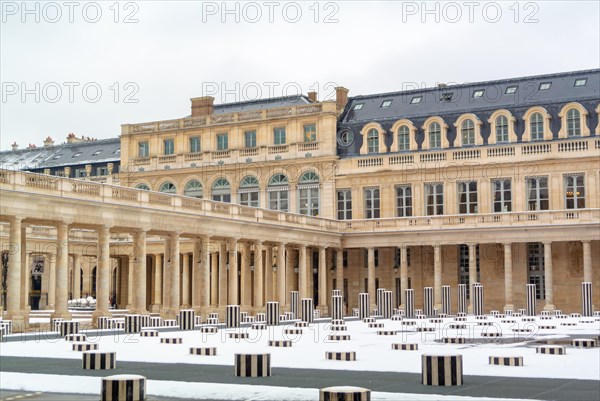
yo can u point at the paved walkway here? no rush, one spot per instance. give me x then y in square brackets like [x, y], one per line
[475, 386]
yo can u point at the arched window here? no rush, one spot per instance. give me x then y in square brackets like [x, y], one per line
[221, 190]
[536, 126]
[168, 188]
[467, 132]
[373, 141]
[193, 189]
[249, 191]
[142, 186]
[501, 129]
[308, 194]
[435, 136]
[403, 138]
[573, 123]
[278, 189]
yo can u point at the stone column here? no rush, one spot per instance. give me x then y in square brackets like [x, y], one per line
[196, 275]
[130, 275]
[205, 274]
[140, 272]
[437, 277]
[62, 273]
[290, 274]
[13, 277]
[339, 271]
[245, 274]
[76, 276]
[174, 276]
[166, 287]
[548, 276]
[322, 274]
[258, 275]
[587, 262]
[25, 272]
[185, 282]
[302, 273]
[233, 273]
[403, 274]
[472, 273]
[51, 279]
[214, 276]
[508, 278]
[158, 274]
[102, 274]
[223, 275]
[281, 274]
[371, 276]
[268, 272]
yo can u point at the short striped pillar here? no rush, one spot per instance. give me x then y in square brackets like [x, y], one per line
[477, 299]
[252, 365]
[409, 308]
[145, 321]
[506, 360]
[551, 350]
[363, 305]
[530, 294]
[103, 322]
[156, 321]
[75, 337]
[68, 327]
[187, 319]
[54, 323]
[123, 388]
[295, 304]
[84, 346]
[405, 346]
[272, 313]
[207, 351]
[344, 393]
[442, 370]
[462, 298]
[133, 323]
[380, 292]
[340, 356]
[335, 293]
[428, 301]
[214, 315]
[388, 305]
[337, 307]
[97, 360]
[446, 305]
[308, 308]
[586, 299]
[584, 342]
[261, 317]
[233, 316]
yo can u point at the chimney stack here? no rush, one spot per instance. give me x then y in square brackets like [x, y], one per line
[341, 96]
[312, 96]
[202, 106]
[14, 146]
[48, 142]
[31, 146]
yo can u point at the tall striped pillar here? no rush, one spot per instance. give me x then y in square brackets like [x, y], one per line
[428, 301]
[446, 305]
[337, 305]
[380, 292]
[530, 293]
[295, 304]
[409, 308]
[363, 305]
[586, 299]
[478, 299]
[386, 310]
[233, 316]
[272, 313]
[462, 298]
[308, 309]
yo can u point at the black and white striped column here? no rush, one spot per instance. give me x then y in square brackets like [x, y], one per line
[428, 301]
[295, 304]
[344, 393]
[530, 294]
[380, 292]
[335, 293]
[252, 365]
[96, 360]
[187, 319]
[477, 299]
[133, 323]
[462, 298]
[337, 307]
[68, 327]
[409, 308]
[446, 304]
[586, 299]
[444, 370]
[308, 308]
[272, 313]
[123, 388]
[363, 305]
[233, 316]
[388, 306]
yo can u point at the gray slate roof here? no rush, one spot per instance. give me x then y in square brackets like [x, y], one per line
[261, 104]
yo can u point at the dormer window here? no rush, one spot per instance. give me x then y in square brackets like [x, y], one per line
[97, 152]
[446, 97]
[580, 82]
[544, 86]
[416, 99]
[77, 154]
[386, 103]
[358, 106]
[510, 90]
[478, 93]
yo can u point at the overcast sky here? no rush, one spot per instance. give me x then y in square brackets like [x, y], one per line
[148, 58]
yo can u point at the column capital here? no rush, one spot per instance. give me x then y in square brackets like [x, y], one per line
[586, 241]
[507, 244]
[547, 243]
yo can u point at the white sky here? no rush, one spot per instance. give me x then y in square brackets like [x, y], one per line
[179, 50]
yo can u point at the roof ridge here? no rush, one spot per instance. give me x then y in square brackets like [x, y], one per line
[269, 99]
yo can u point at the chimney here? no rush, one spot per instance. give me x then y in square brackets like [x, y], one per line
[312, 96]
[48, 142]
[202, 106]
[341, 96]
[31, 146]
[442, 85]
[14, 146]
[72, 138]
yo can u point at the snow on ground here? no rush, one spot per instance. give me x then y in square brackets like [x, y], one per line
[373, 352]
[91, 385]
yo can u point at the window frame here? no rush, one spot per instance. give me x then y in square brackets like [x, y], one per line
[346, 211]
[279, 136]
[538, 201]
[465, 194]
[372, 202]
[434, 208]
[402, 208]
[250, 139]
[502, 202]
[577, 200]
[168, 146]
[195, 144]
[222, 141]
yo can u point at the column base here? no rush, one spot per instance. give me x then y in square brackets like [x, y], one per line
[509, 307]
[438, 307]
[186, 306]
[324, 310]
[20, 321]
[168, 314]
[139, 312]
[49, 307]
[62, 315]
[99, 313]
[549, 307]
[470, 309]
[155, 308]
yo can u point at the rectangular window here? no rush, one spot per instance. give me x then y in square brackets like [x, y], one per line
[372, 203]
[535, 268]
[544, 86]
[404, 201]
[581, 82]
[279, 136]
[537, 193]
[169, 146]
[100, 171]
[358, 106]
[574, 191]
[434, 199]
[143, 149]
[344, 204]
[478, 93]
[467, 197]
[386, 104]
[310, 132]
[502, 195]
[222, 141]
[80, 173]
[195, 144]
[250, 139]
[308, 199]
[510, 90]
[249, 199]
[278, 200]
[416, 99]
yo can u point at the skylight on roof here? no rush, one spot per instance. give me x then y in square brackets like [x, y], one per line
[478, 93]
[581, 82]
[358, 106]
[416, 99]
[544, 86]
[57, 157]
[97, 152]
[510, 90]
[77, 154]
[117, 152]
[386, 103]
[446, 97]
